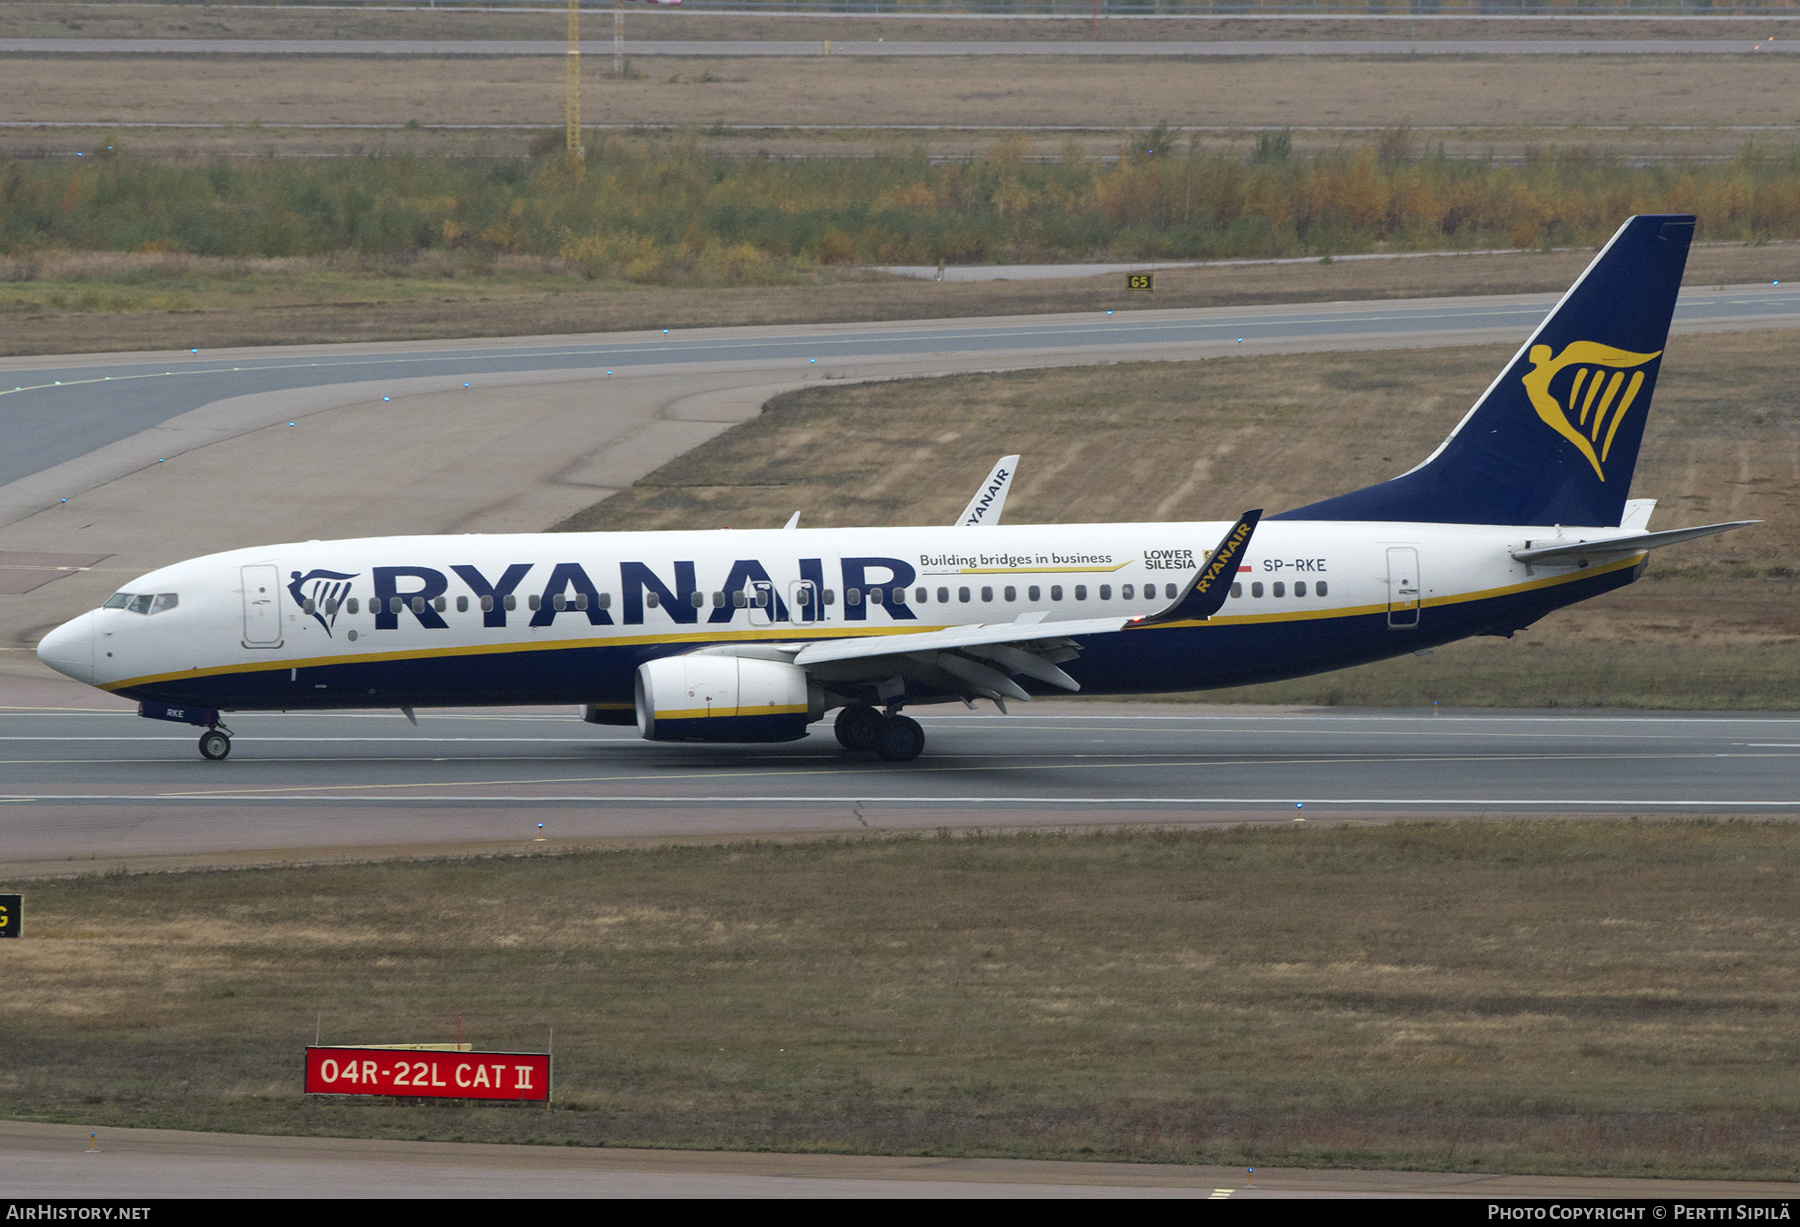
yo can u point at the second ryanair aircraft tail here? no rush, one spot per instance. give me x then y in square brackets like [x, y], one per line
[1554, 439]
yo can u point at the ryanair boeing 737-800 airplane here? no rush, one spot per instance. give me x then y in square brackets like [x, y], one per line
[753, 636]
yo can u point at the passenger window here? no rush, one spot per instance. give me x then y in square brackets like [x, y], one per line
[306, 607]
[718, 600]
[987, 594]
[1256, 589]
[831, 596]
[921, 596]
[1056, 592]
[651, 599]
[962, 594]
[762, 598]
[438, 604]
[803, 595]
[1125, 592]
[1011, 593]
[874, 596]
[352, 605]
[140, 604]
[1320, 588]
[944, 596]
[511, 602]
[581, 600]
[1300, 588]
[487, 603]
[1170, 592]
[897, 596]
[418, 604]
[606, 600]
[533, 602]
[1081, 592]
[331, 607]
[559, 602]
[1031, 594]
[1280, 588]
[117, 600]
[462, 604]
[697, 599]
[853, 596]
[738, 600]
[1237, 590]
[1106, 592]
[395, 604]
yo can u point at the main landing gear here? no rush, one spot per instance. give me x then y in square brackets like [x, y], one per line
[895, 738]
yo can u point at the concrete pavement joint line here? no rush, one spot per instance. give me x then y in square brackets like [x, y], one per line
[739, 799]
[760, 48]
[296, 792]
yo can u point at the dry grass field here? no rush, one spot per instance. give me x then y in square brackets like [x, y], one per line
[1714, 625]
[1503, 102]
[90, 302]
[1580, 998]
[50, 19]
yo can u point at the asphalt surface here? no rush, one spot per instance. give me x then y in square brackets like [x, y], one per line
[56, 410]
[746, 47]
[80, 784]
[56, 1161]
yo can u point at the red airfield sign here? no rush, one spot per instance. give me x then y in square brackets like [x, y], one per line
[438, 1075]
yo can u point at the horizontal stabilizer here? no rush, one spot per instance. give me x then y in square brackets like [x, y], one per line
[1211, 584]
[1611, 547]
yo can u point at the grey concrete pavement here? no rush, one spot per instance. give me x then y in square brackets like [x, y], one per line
[749, 47]
[54, 1161]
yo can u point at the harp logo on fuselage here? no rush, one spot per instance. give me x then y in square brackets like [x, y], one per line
[1588, 407]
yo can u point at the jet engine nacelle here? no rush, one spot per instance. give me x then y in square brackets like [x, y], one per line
[724, 698]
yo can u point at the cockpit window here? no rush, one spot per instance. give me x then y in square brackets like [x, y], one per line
[143, 602]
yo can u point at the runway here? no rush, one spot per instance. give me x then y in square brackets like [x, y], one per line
[736, 48]
[105, 784]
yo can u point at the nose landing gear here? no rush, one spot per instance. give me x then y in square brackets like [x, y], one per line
[215, 743]
[896, 738]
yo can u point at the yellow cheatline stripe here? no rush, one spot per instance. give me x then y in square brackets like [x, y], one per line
[713, 713]
[795, 631]
[1037, 570]
[791, 631]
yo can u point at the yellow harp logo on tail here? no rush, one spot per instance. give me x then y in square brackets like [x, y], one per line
[1589, 417]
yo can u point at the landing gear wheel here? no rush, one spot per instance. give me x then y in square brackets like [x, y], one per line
[899, 739]
[214, 745]
[856, 727]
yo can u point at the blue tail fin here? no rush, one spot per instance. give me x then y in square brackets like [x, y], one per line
[1555, 438]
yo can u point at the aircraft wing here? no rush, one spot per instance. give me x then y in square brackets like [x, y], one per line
[981, 660]
[1631, 543]
[990, 497]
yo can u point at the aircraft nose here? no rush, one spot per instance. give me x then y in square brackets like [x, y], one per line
[69, 649]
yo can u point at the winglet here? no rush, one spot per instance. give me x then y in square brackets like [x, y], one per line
[1211, 584]
[984, 509]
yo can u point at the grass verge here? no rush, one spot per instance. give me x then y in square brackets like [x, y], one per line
[1580, 998]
